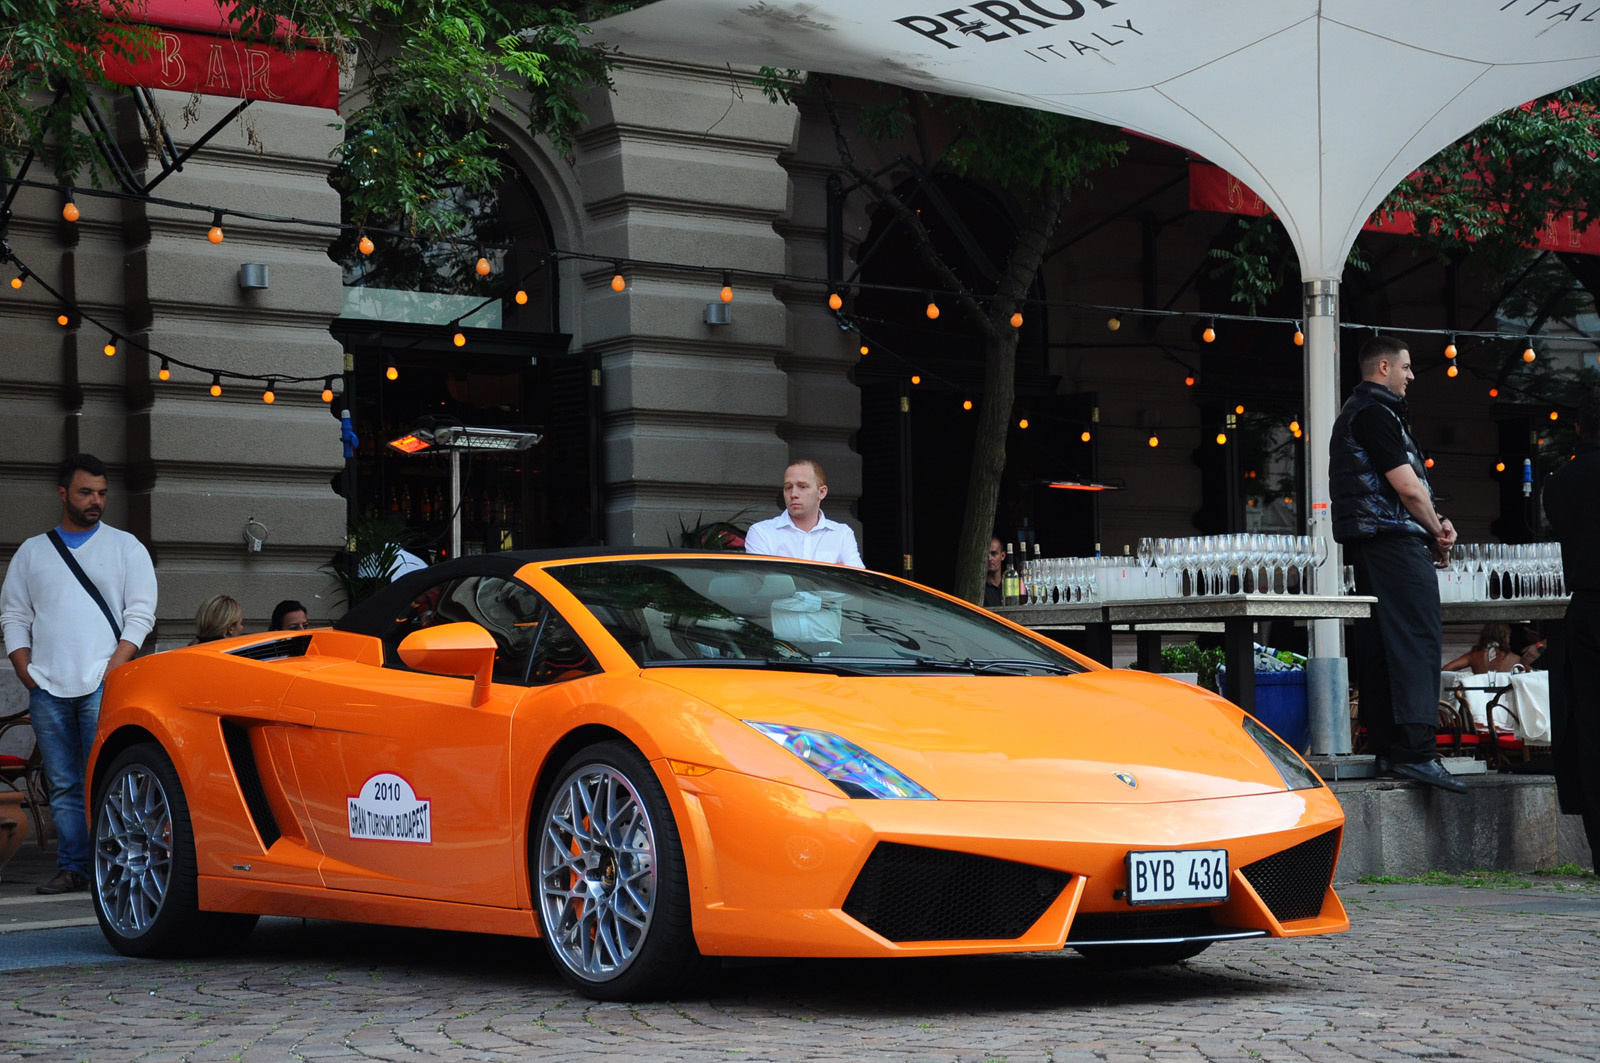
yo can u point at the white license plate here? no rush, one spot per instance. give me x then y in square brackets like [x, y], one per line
[1178, 877]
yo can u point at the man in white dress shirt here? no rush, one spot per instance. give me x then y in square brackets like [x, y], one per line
[801, 530]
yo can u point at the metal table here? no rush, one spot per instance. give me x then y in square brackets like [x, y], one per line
[1238, 614]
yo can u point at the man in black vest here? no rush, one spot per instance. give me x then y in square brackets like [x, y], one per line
[1572, 504]
[1383, 514]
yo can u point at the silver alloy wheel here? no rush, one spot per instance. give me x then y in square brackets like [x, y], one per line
[597, 872]
[133, 850]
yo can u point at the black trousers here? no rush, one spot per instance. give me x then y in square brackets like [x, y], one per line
[1397, 651]
[1575, 713]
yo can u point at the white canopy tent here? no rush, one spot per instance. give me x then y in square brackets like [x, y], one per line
[1320, 106]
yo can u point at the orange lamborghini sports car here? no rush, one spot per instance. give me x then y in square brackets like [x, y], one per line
[654, 760]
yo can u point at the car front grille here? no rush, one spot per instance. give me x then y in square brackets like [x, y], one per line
[1090, 927]
[1292, 882]
[909, 893]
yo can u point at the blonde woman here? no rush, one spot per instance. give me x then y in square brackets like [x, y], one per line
[219, 618]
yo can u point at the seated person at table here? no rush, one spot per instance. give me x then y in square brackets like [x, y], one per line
[1491, 653]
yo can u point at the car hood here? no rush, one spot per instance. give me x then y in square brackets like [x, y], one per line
[1078, 738]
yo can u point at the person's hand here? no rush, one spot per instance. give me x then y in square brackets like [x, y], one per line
[1440, 552]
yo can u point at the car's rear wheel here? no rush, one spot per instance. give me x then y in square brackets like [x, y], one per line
[145, 889]
[1143, 955]
[609, 879]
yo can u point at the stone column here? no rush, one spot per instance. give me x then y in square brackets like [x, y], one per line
[681, 165]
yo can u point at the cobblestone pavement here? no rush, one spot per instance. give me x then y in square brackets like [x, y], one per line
[1428, 972]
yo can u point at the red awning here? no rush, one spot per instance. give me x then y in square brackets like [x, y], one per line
[196, 50]
[1213, 188]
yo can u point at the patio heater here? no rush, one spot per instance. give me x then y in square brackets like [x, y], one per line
[433, 435]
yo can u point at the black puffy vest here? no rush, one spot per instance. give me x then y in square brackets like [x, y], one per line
[1364, 504]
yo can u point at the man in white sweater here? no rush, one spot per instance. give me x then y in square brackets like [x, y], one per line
[62, 640]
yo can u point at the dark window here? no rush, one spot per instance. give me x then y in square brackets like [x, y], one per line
[560, 655]
[505, 608]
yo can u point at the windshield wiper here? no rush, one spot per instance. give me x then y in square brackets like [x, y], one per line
[764, 664]
[992, 666]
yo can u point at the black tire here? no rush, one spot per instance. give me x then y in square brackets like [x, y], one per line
[1143, 955]
[144, 879]
[613, 904]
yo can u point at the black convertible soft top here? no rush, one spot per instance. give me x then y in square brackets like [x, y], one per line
[376, 615]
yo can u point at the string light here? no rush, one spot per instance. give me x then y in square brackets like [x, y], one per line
[365, 245]
[215, 233]
[727, 287]
[1427, 462]
[1210, 334]
[1188, 381]
[1299, 335]
[1016, 319]
[915, 379]
[1154, 442]
[835, 301]
[933, 307]
[1450, 348]
[1555, 415]
[327, 389]
[967, 405]
[1494, 393]
[1085, 437]
[1022, 423]
[459, 339]
[22, 275]
[69, 209]
[1499, 466]
[864, 350]
[111, 346]
[483, 266]
[392, 371]
[521, 297]
[1528, 355]
[1113, 323]
[63, 320]
[1294, 426]
[216, 385]
[1451, 371]
[270, 395]
[165, 372]
[1222, 438]
[618, 281]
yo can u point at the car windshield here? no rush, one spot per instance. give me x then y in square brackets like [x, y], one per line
[737, 613]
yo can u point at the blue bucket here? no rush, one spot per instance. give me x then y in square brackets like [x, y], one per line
[1281, 705]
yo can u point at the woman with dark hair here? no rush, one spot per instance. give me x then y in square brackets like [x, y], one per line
[289, 615]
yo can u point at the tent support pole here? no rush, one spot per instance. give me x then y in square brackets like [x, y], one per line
[1328, 685]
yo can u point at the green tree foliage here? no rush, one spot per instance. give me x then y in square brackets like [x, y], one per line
[1038, 159]
[431, 73]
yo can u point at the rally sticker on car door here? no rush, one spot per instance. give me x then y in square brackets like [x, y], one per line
[388, 810]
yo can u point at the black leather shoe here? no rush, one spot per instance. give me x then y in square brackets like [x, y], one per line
[1431, 772]
[64, 882]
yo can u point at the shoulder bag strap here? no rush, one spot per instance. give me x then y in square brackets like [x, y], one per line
[83, 578]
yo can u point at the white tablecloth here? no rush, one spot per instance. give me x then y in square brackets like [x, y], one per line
[1528, 698]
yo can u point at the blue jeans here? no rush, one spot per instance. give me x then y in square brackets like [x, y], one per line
[65, 730]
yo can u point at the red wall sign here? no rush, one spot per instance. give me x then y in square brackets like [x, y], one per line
[1213, 188]
[187, 59]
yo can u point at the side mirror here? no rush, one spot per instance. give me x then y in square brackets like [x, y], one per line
[453, 649]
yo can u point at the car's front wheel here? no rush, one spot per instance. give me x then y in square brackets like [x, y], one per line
[609, 879]
[145, 889]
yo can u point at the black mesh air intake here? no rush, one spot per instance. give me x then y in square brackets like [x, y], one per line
[908, 893]
[1292, 882]
[237, 739]
[1090, 927]
[276, 650]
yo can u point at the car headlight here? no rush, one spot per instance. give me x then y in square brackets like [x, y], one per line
[843, 763]
[1296, 776]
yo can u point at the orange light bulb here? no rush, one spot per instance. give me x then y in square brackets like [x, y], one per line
[482, 266]
[727, 293]
[1449, 350]
[269, 396]
[1113, 323]
[1188, 381]
[327, 394]
[69, 211]
[1452, 371]
[1294, 426]
[459, 339]
[214, 234]
[1555, 415]
[916, 379]
[1222, 437]
[1528, 355]
[392, 373]
[1209, 335]
[1154, 441]
[1494, 393]
[16, 282]
[365, 245]
[933, 311]
[1238, 409]
[1428, 462]
[1299, 338]
[216, 390]
[1499, 466]
[111, 350]
[864, 349]
[63, 320]
[1085, 437]
[619, 283]
[967, 404]
[1016, 319]
[164, 373]
[834, 301]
